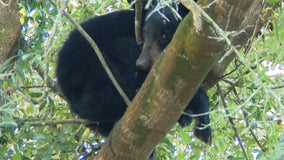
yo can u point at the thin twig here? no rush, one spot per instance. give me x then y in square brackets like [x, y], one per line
[49, 81]
[5, 4]
[56, 122]
[245, 118]
[138, 21]
[28, 87]
[101, 58]
[99, 55]
[231, 121]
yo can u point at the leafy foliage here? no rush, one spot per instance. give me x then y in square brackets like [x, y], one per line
[253, 94]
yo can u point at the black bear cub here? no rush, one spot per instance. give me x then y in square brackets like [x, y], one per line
[87, 87]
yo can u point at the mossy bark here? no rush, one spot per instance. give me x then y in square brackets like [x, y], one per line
[175, 77]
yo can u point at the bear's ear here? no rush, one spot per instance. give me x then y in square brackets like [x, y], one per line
[182, 10]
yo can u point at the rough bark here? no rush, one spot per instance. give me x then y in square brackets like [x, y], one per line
[244, 18]
[9, 29]
[175, 77]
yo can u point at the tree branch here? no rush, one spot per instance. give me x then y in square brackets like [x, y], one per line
[56, 122]
[138, 22]
[176, 76]
[101, 58]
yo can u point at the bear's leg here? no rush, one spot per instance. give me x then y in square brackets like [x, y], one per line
[198, 109]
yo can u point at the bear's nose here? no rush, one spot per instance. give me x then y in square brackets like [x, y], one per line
[143, 64]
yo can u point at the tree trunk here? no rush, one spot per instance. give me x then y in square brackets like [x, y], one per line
[176, 76]
[9, 29]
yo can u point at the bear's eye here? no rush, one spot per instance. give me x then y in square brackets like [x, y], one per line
[163, 40]
[164, 35]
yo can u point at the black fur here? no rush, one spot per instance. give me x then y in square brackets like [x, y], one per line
[82, 78]
[86, 85]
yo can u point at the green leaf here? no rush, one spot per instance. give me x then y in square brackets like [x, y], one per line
[8, 124]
